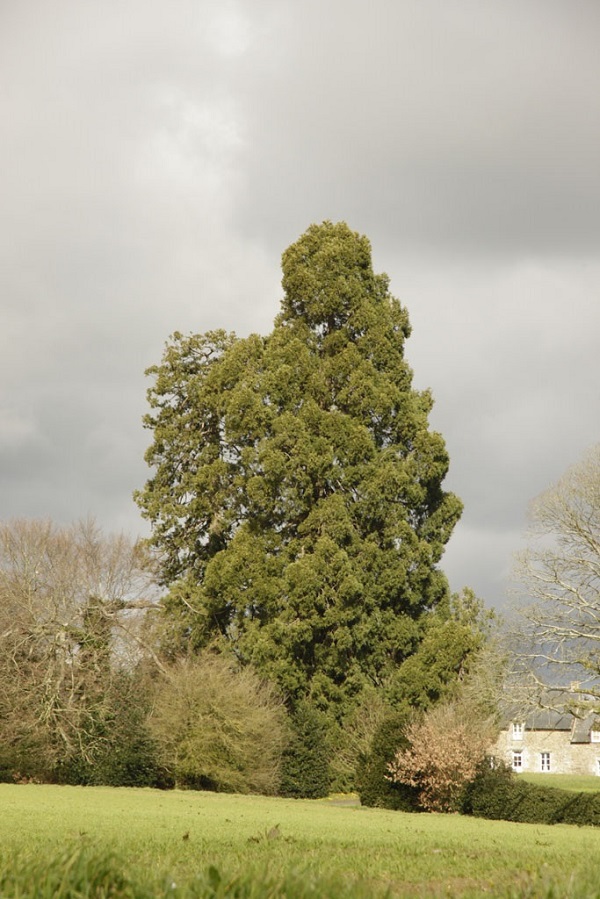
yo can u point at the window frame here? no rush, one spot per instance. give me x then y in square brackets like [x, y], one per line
[518, 729]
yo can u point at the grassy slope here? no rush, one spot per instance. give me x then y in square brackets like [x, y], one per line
[414, 854]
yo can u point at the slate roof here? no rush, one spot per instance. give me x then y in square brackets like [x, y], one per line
[582, 728]
[549, 719]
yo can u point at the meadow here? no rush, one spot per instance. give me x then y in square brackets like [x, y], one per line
[97, 841]
[576, 783]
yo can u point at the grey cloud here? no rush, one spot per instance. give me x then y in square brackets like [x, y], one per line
[462, 126]
[156, 159]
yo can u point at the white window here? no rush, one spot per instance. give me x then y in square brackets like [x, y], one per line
[517, 761]
[598, 768]
[545, 761]
[517, 730]
[595, 736]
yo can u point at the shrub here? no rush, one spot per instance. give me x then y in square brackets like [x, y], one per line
[497, 793]
[305, 772]
[445, 748]
[134, 762]
[65, 628]
[373, 785]
[218, 727]
[353, 738]
[488, 794]
[125, 754]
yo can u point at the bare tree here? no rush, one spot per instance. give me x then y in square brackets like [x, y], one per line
[70, 607]
[559, 576]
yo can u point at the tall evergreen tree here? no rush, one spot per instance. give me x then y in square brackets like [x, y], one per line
[296, 498]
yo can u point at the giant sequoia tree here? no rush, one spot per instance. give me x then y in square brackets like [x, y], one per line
[296, 497]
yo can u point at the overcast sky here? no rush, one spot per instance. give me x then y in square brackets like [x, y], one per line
[157, 157]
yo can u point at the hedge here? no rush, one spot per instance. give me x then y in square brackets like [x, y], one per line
[498, 794]
[374, 788]
[305, 770]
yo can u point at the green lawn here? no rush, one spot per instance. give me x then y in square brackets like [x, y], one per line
[277, 847]
[578, 783]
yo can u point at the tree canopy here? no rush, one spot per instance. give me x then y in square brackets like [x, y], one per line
[296, 496]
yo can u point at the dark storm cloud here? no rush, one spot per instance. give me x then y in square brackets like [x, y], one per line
[155, 160]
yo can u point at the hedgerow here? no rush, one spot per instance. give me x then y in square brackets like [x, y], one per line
[499, 794]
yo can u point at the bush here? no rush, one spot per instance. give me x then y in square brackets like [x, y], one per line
[134, 762]
[435, 761]
[373, 786]
[218, 727]
[305, 772]
[352, 738]
[487, 795]
[499, 794]
[123, 752]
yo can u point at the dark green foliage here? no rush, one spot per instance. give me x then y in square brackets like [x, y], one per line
[373, 787]
[131, 757]
[488, 794]
[352, 738]
[296, 497]
[497, 793]
[17, 762]
[583, 809]
[305, 770]
[132, 762]
[451, 639]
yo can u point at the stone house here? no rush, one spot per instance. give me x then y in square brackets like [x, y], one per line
[550, 742]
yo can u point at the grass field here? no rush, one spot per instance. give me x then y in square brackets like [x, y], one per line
[185, 844]
[578, 783]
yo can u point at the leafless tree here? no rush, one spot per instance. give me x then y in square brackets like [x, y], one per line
[559, 576]
[71, 600]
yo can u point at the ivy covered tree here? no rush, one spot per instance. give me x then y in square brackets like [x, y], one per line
[296, 497]
[72, 602]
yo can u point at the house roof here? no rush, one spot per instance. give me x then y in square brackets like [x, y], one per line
[551, 720]
[582, 729]
[548, 719]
